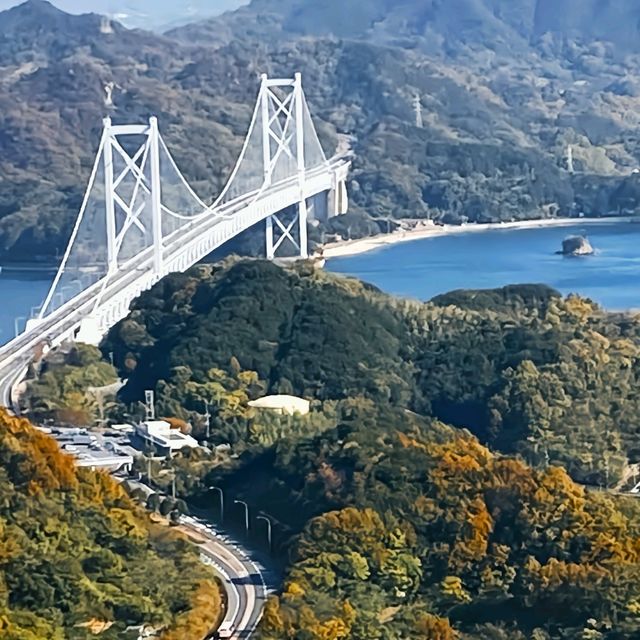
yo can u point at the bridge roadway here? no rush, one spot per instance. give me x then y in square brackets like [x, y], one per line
[15, 356]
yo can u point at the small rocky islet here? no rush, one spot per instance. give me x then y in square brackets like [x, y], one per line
[576, 246]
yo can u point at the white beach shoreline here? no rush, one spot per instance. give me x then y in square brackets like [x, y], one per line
[362, 245]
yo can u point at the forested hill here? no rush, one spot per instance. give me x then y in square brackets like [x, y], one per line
[395, 524]
[416, 531]
[78, 558]
[526, 370]
[496, 125]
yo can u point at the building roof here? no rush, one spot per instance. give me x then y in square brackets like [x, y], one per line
[157, 425]
[123, 427]
[282, 403]
[160, 433]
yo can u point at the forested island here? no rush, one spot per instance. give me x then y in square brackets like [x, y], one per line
[456, 475]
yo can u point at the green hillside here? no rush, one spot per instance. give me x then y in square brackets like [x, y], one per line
[414, 530]
[431, 492]
[527, 371]
[78, 557]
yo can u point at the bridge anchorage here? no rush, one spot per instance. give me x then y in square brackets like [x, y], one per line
[140, 219]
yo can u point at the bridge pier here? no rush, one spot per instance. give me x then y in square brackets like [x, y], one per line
[287, 232]
[90, 331]
[270, 251]
[302, 229]
[338, 197]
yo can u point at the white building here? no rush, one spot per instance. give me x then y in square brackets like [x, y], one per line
[288, 405]
[160, 434]
[95, 460]
[123, 428]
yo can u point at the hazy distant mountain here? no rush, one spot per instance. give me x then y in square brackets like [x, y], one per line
[148, 14]
[447, 26]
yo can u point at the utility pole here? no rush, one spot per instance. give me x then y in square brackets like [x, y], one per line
[207, 419]
[417, 105]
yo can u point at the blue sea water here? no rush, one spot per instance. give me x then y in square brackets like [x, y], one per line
[20, 291]
[497, 257]
[425, 268]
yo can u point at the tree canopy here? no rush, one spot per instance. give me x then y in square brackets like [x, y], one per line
[440, 486]
[553, 379]
[77, 554]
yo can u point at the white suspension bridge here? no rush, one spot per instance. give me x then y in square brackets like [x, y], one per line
[140, 220]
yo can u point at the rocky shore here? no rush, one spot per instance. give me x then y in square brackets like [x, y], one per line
[427, 229]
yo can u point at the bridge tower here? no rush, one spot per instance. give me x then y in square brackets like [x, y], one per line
[122, 211]
[283, 132]
[121, 216]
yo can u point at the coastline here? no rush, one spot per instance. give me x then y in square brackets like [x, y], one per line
[346, 248]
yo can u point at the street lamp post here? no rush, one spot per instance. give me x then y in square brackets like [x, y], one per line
[221, 492]
[268, 521]
[246, 515]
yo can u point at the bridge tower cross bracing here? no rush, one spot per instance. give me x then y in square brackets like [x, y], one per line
[121, 214]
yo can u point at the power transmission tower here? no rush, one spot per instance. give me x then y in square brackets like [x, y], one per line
[570, 168]
[417, 105]
[106, 21]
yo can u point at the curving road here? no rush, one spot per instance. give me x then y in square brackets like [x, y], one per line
[243, 577]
